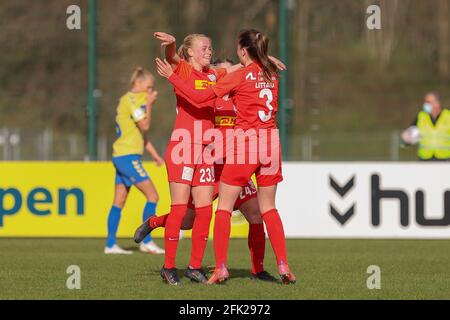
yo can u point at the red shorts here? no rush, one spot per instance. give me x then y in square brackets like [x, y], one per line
[248, 191]
[184, 164]
[262, 158]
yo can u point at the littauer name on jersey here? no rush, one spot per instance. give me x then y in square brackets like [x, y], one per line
[264, 85]
[261, 83]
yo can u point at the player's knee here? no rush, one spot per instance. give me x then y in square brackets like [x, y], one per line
[153, 197]
[120, 200]
[255, 219]
[203, 201]
[253, 215]
[265, 207]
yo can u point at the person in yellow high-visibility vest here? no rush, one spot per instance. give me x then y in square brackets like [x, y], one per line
[430, 130]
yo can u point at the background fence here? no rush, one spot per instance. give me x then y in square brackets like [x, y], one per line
[351, 90]
[47, 145]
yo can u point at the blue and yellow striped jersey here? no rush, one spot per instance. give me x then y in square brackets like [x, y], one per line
[131, 110]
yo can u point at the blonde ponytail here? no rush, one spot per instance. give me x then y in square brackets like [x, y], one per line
[138, 74]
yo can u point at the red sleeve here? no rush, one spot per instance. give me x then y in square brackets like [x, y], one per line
[195, 97]
[183, 69]
[227, 84]
[220, 73]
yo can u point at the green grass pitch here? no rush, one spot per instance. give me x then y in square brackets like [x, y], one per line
[328, 269]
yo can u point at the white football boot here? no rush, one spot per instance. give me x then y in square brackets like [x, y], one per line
[115, 249]
[151, 247]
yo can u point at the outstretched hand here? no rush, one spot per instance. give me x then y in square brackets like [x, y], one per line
[280, 65]
[164, 68]
[165, 38]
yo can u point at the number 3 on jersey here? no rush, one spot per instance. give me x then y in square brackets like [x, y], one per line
[266, 94]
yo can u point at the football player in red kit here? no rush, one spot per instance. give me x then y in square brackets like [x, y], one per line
[187, 172]
[254, 90]
[225, 117]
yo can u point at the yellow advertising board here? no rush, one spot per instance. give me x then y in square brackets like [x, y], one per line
[73, 199]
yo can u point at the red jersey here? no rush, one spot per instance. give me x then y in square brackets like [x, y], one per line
[188, 113]
[225, 118]
[256, 99]
[225, 113]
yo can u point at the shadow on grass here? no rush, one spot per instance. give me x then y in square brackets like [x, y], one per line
[234, 274]
[131, 247]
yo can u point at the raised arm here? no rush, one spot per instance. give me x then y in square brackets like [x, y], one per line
[280, 65]
[169, 42]
[234, 68]
[195, 97]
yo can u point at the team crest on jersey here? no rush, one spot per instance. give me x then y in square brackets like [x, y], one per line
[250, 76]
[212, 77]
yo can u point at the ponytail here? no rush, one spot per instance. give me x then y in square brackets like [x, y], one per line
[262, 45]
[182, 52]
[138, 74]
[257, 45]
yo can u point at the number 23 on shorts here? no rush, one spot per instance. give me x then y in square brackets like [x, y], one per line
[207, 175]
